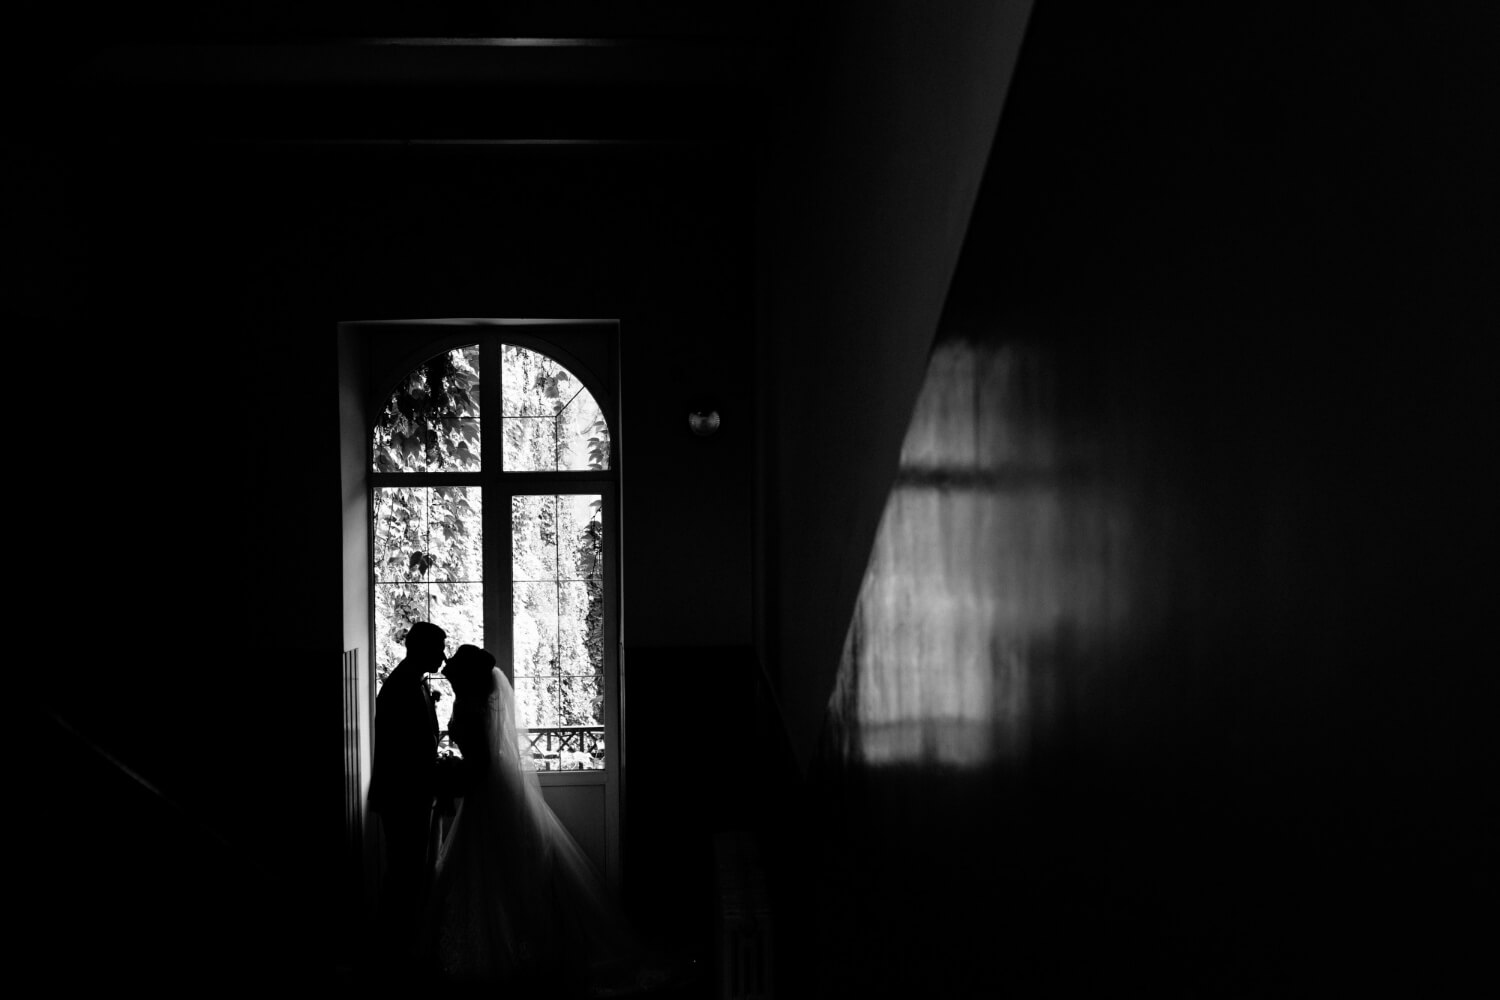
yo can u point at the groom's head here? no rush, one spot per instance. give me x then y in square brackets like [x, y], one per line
[427, 644]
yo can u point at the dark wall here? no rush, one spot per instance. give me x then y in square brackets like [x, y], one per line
[1239, 257]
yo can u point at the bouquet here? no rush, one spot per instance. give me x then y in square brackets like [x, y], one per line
[450, 779]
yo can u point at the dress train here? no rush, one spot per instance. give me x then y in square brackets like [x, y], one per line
[515, 899]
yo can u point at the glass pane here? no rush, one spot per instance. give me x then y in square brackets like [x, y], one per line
[400, 525]
[580, 616]
[581, 701]
[557, 569]
[557, 537]
[534, 384]
[558, 607]
[580, 530]
[534, 628]
[530, 444]
[458, 609]
[431, 421]
[536, 703]
[428, 533]
[552, 423]
[455, 534]
[458, 438]
[582, 435]
[533, 537]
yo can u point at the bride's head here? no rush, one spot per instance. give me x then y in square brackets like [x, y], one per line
[468, 670]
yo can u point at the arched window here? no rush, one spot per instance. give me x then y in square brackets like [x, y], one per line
[492, 478]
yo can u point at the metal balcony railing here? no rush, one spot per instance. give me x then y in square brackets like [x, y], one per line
[565, 748]
[554, 748]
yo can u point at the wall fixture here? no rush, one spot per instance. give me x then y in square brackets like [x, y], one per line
[703, 419]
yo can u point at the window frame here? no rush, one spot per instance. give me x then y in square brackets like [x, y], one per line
[498, 489]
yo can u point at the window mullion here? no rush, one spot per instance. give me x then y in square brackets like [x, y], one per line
[386, 479]
[497, 503]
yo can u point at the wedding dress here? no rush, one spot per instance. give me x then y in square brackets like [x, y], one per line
[514, 897]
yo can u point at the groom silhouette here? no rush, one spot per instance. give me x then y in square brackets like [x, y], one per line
[402, 783]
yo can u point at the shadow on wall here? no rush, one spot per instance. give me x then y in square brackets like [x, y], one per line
[993, 554]
[1004, 572]
[1111, 689]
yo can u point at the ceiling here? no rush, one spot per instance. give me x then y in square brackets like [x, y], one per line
[578, 70]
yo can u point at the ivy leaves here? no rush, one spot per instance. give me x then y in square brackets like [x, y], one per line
[599, 444]
[425, 534]
[548, 383]
[432, 418]
[588, 556]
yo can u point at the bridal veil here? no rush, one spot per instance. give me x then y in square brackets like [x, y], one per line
[514, 897]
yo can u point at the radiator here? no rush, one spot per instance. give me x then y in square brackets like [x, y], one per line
[743, 919]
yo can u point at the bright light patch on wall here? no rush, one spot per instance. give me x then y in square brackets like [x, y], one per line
[991, 562]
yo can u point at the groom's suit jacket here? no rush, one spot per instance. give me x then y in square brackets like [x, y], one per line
[406, 741]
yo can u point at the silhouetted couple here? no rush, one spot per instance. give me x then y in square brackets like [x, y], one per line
[507, 897]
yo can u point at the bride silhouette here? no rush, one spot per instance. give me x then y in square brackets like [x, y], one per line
[515, 901]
